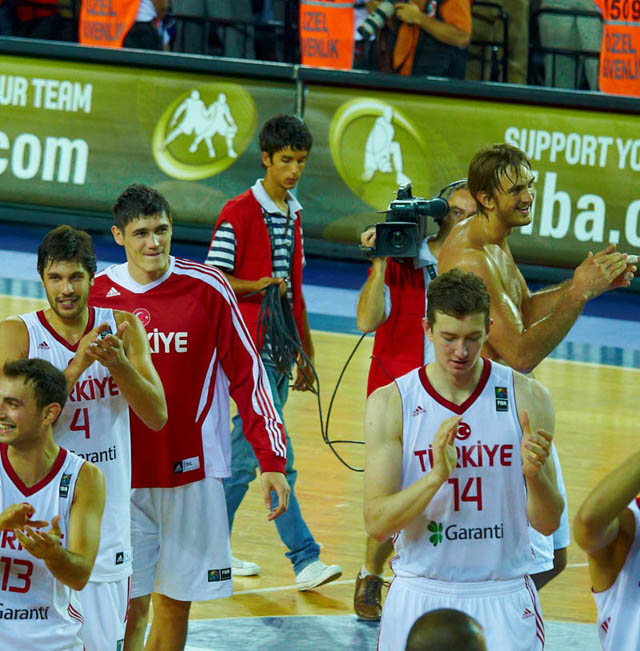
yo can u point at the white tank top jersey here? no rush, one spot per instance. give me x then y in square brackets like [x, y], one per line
[475, 528]
[37, 611]
[619, 606]
[94, 424]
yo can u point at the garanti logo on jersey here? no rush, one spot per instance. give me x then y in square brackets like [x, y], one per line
[455, 532]
[203, 131]
[375, 148]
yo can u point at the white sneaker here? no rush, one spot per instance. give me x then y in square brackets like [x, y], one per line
[244, 568]
[316, 574]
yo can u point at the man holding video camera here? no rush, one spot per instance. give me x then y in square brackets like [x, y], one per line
[430, 37]
[393, 303]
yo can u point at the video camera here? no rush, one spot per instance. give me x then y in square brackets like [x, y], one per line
[406, 224]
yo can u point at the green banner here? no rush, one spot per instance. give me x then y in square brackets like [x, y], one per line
[75, 135]
[587, 165]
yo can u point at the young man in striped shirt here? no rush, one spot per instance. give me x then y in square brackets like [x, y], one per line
[257, 242]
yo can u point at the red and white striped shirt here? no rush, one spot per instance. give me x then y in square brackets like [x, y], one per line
[202, 351]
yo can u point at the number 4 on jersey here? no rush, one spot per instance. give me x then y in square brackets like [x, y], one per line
[80, 421]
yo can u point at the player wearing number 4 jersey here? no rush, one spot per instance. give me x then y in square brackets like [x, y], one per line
[106, 373]
[453, 473]
[44, 560]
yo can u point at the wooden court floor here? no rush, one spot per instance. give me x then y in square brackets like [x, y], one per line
[595, 430]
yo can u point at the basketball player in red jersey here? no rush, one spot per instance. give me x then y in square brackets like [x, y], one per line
[201, 350]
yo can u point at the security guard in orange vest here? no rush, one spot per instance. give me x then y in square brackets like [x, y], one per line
[326, 33]
[620, 49]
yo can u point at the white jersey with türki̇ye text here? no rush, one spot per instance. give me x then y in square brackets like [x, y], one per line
[36, 610]
[475, 528]
[202, 351]
[94, 424]
[619, 605]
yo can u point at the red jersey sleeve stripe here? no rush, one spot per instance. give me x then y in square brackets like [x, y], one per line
[261, 400]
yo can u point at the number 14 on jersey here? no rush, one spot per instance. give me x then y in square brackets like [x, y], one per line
[471, 492]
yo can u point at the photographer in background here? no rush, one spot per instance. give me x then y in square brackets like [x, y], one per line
[429, 37]
[393, 302]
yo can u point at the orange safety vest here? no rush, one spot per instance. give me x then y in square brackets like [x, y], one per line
[620, 49]
[326, 33]
[105, 23]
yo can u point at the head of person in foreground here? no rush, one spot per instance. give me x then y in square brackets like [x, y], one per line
[446, 629]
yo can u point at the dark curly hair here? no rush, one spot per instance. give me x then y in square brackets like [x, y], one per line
[284, 131]
[138, 201]
[458, 294]
[66, 243]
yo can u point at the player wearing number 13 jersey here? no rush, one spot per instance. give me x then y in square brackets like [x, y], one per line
[107, 364]
[454, 473]
[29, 591]
[51, 502]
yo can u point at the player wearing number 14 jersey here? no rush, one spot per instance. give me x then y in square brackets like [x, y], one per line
[107, 364]
[454, 473]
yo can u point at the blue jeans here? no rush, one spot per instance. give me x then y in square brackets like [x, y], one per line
[292, 529]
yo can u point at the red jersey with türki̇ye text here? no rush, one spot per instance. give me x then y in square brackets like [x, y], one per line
[202, 351]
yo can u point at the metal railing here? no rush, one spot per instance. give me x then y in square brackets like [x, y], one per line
[540, 56]
[491, 53]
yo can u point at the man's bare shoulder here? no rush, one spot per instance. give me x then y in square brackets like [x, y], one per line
[529, 387]
[90, 475]
[383, 414]
[13, 323]
[385, 396]
[535, 398]
[385, 404]
[14, 333]
[468, 258]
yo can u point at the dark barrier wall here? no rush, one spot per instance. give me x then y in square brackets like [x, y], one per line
[78, 124]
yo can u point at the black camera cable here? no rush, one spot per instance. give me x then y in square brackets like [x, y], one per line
[276, 318]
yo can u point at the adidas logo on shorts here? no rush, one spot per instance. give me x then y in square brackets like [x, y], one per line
[527, 613]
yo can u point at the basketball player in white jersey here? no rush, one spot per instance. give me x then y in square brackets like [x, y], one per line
[42, 568]
[607, 527]
[106, 374]
[394, 294]
[454, 472]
